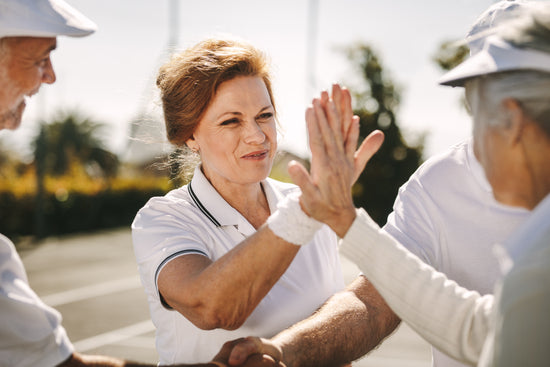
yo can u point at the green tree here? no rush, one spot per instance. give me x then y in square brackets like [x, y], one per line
[376, 99]
[68, 139]
[450, 54]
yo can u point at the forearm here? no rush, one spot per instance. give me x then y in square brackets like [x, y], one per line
[448, 316]
[247, 273]
[348, 326]
[223, 293]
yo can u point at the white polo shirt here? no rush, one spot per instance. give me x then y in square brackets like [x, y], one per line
[30, 331]
[446, 215]
[195, 219]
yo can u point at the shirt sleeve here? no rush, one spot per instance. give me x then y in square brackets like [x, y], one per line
[160, 234]
[30, 333]
[453, 319]
[412, 221]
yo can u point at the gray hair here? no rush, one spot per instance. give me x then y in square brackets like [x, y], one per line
[531, 89]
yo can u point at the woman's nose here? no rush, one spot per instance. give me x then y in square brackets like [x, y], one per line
[254, 133]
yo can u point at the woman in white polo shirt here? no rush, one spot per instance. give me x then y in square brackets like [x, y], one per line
[211, 268]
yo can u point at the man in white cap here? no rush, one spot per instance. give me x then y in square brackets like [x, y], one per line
[446, 215]
[31, 333]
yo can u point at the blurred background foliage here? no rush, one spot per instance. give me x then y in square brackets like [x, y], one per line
[376, 100]
[74, 184]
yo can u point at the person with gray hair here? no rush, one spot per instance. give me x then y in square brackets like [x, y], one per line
[31, 333]
[507, 88]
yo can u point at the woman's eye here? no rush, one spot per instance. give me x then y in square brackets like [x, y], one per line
[229, 122]
[265, 116]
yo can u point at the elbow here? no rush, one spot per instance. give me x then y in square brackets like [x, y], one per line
[211, 317]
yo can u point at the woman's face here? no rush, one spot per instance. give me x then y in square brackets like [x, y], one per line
[237, 137]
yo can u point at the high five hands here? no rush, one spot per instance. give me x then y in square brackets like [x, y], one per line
[336, 164]
[333, 133]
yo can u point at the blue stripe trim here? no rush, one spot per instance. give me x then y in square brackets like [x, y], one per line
[201, 206]
[174, 255]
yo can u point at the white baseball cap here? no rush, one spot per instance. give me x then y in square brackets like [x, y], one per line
[497, 56]
[508, 49]
[494, 16]
[42, 18]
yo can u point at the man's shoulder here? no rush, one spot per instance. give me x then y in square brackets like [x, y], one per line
[450, 164]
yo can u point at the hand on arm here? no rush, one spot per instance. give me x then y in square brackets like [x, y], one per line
[346, 327]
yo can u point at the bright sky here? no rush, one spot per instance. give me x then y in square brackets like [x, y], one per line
[109, 76]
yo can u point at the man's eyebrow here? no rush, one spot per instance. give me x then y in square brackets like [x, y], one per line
[51, 48]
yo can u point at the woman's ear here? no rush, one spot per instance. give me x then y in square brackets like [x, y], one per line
[192, 144]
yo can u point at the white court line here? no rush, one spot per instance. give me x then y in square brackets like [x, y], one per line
[140, 342]
[91, 291]
[114, 336]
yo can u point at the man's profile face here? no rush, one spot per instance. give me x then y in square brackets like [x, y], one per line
[24, 65]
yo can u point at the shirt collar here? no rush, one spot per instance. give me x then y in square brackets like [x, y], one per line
[214, 206]
[476, 168]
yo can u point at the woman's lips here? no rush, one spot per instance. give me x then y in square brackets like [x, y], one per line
[260, 154]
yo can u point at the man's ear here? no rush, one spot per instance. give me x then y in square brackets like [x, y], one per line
[517, 119]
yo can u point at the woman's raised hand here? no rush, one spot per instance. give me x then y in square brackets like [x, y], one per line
[333, 133]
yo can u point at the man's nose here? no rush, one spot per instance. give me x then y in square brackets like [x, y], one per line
[48, 76]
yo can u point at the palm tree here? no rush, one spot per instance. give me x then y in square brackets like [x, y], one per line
[72, 139]
[69, 139]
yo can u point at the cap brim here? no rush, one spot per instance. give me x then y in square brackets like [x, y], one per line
[43, 18]
[497, 56]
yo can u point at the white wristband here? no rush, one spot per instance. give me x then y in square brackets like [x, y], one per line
[290, 222]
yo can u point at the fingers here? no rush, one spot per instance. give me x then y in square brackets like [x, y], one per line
[352, 137]
[316, 143]
[368, 148]
[325, 119]
[346, 110]
[253, 345]
[302, 179]
[327, 130]
[223, 354]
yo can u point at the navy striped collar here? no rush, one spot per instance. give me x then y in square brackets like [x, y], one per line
[199, 204]
[214, 206]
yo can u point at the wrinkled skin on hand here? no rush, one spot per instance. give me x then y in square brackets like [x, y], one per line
[336, 164]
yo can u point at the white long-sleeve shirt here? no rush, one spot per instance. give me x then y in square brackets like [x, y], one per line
[452, 318]
[510, 331]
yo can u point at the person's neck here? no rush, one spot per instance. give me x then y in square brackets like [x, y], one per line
[248, 199]
[537, 155]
